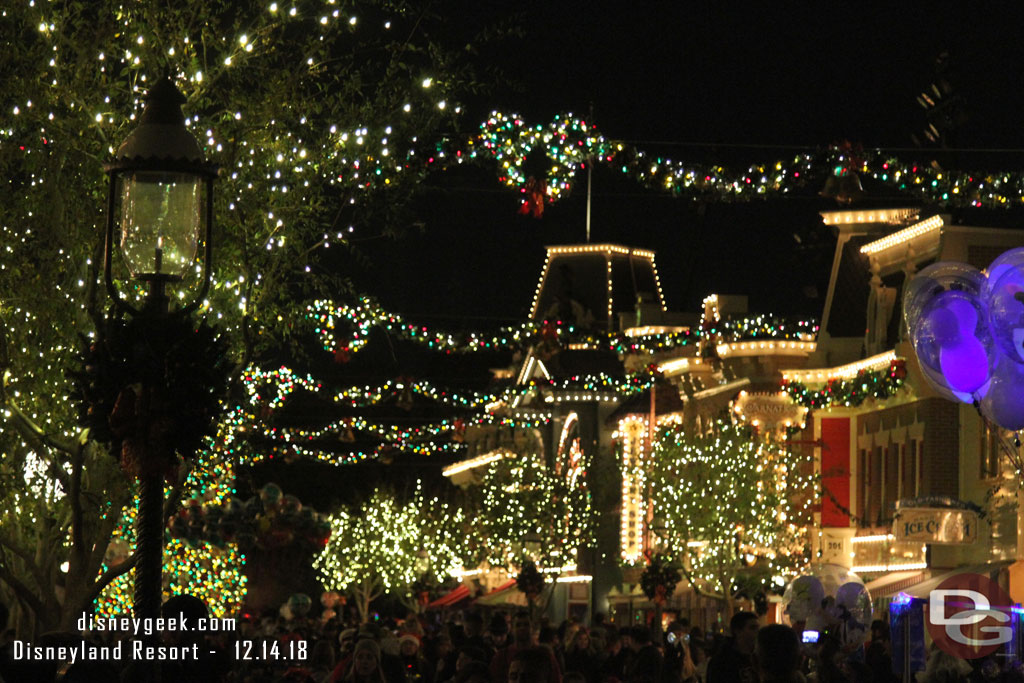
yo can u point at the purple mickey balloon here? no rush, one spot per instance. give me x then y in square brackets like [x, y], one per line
[1005, 302]
[1004, 402]
[949, 329]
[962, 356]
[937, 278]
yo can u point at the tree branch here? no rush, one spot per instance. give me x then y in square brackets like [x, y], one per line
[75, 498]
[688, 575]
[111, 574]
[33, 432]
[25, 556]
[21, 590]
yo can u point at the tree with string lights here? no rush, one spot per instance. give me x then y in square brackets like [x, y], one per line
[733, 508]
[319, 116]
[527, 512]
[385, 546]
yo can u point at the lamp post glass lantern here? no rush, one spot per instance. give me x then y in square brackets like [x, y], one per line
[157, 179]
[160, 215]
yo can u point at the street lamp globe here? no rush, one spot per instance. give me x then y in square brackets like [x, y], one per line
[157, 177]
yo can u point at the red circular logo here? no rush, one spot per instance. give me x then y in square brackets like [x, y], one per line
[969, 616]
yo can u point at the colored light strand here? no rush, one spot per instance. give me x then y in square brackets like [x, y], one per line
[569, 142]
[849, 392]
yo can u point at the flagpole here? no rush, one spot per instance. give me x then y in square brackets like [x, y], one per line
[590, 173]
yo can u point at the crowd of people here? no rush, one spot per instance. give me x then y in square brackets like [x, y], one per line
[466, 647]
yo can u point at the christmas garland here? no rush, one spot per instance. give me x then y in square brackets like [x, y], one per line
[659, 579]
[570, 142]
[877, 384]
[329, 319]
[150, 388]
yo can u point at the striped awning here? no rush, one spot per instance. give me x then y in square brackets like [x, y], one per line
[505, 594]
[458, 595]
[894, 582]
[918, 584]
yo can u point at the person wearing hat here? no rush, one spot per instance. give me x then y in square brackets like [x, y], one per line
[346, 641]
[497, 633]
[414, 665]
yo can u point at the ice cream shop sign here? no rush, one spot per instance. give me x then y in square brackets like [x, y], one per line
[775, 410]
[945, 526]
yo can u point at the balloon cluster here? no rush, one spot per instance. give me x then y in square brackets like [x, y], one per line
[331, 602]
[297, 606]
[967, 328]
[829, 597]
[267, 521]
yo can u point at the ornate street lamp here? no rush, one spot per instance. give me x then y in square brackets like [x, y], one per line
[155, 212]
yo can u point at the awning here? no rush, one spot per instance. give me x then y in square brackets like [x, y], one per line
[458, 595]
[505, 594]
[617, 594]
[922, 589]
[919, 583]
[894, 582]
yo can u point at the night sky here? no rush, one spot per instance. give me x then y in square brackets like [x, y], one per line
[707, 82]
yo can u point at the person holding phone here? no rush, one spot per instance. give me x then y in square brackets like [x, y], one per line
[679, 666]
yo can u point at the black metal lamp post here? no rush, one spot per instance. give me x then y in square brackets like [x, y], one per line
[157, 181]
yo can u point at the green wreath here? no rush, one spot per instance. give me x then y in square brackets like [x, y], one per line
[529, 580]
[659, 579]
[150, 388]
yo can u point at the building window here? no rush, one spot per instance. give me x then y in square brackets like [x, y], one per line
[988, 458]
[865, 483]
[908, 474]
[920, 466]
[891, 466]
[876, 485]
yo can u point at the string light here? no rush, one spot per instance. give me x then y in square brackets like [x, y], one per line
[529, 511]
[344, 329]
